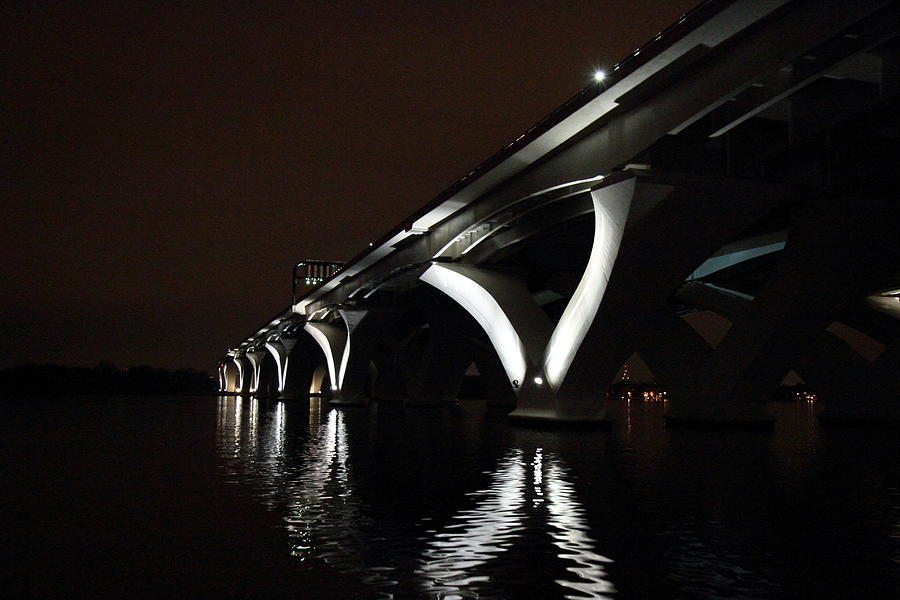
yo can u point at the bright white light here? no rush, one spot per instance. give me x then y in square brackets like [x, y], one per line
[611, 206]
[453, 555]
[539, 380]
[479, 303]
[599, 75]
[334, 388]
[887, 302]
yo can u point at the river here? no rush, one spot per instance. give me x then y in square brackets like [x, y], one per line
[243, 497]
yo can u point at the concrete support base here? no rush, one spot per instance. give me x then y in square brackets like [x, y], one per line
[552, 417]
[344, 401]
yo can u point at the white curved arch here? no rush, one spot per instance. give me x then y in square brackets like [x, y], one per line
[323, 339]
[240, 378]
[255, 364]
[611, 205]
[281, 365]
[479, 303]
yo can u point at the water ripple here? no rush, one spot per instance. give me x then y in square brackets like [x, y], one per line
[417, 506]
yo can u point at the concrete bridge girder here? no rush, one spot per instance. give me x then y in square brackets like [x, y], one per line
[503, 219]
[498, 242]
[611, 130]
[701, 91]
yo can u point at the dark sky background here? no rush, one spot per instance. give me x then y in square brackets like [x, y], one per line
[165, 165]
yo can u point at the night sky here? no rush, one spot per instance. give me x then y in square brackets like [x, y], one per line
[165, 166]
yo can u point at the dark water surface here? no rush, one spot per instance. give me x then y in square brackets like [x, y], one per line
[230, 497]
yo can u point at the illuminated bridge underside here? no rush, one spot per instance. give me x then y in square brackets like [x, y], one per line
[740, 164]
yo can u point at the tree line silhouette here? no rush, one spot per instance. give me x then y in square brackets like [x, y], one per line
[104, 378]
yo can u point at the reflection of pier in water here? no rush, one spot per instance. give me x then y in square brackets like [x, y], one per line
[529, 492]
[500, 518]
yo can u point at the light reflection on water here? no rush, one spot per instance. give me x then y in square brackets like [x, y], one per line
[484, 531]
[498, 520]
[450, 506]
[569, 529]
[528, 491]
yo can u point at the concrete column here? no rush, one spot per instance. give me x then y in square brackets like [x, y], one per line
[220, 372]
[674, 226]
[348, 351]
[302, 356]
[287, 344]
[232, 376]
[332, 340]
[390, 384]
[498, 388]
[318, 380]
[255, 357]
[843, 380]
[242, 379]
[437, 369]
[516, 326]
[280, 351]
[832, 369]
[364, 327]
[863, 392]
[837, 249]
[673, 351]
[649, 234]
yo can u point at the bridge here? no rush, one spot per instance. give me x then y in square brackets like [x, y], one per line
[722, 203]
